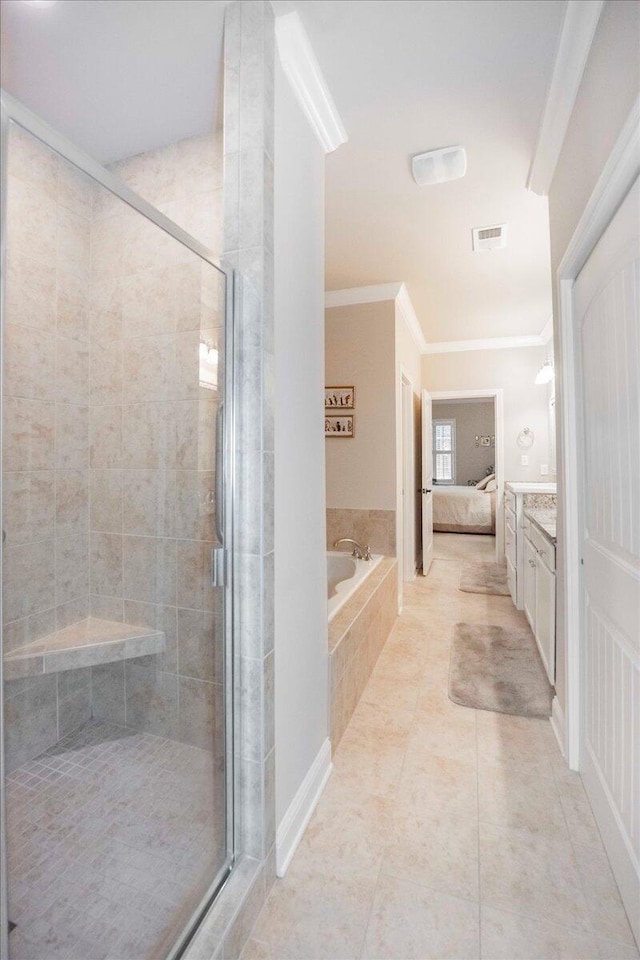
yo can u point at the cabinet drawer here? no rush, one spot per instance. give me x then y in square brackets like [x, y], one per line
[546, 550]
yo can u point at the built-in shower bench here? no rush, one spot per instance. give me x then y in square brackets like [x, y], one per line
[85, 644]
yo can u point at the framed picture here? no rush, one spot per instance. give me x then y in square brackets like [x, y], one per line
[339, 398]
[337, 426]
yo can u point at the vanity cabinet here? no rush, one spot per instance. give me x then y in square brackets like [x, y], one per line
[529, 593]
[540, 594]
[514, 522]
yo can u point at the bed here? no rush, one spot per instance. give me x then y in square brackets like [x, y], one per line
[463, 510]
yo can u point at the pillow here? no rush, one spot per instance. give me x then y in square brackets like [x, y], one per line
[491, 487]
[482, 484]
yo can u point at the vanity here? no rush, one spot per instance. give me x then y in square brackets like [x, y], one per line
[530, 553]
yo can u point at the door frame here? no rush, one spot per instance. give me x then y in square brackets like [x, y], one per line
[618, 175]
[497, 394]
[407, 525]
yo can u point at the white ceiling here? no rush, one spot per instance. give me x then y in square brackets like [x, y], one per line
[122, 76]
[116, 76]
[412, 75]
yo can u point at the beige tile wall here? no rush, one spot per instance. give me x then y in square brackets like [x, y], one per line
[109, 450]
[357, 635]
[45, 433]
[377, 528]
[152, 443]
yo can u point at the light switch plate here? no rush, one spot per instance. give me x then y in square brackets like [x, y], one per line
[544, 469]
[524, 459]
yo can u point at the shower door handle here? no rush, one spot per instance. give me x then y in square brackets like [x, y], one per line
[218, 554]
[220, 473]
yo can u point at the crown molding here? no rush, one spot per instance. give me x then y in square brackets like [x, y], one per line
[403, 302]
[398, 292]
[375, 294]
[488, 343]
[352, 295]
[547, 330]
[578, 30]
[305, 76]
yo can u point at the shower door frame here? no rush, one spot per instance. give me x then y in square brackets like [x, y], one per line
[13, 111]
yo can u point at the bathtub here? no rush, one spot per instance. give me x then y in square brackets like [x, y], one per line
[344, 576]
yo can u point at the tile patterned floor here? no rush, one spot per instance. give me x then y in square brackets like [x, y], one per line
[445, 832]
[111, 836]
[464, 546]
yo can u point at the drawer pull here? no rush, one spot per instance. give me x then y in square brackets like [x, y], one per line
[532, 563]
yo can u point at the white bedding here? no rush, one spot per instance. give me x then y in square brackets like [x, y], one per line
[463, 510]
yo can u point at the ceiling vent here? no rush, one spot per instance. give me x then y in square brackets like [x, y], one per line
[438, 166]
[490, 238]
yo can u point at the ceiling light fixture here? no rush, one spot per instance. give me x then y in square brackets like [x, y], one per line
[545, 374]
[439, 166]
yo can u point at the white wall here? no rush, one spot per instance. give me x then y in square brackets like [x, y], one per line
[301, 646]
[473, 418]
[361, 472]
[525, 403]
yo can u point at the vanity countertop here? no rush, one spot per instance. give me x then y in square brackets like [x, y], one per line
[522, 486]
[544, 519]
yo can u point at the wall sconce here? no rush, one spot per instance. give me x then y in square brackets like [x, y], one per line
[545, 374]
[208, 360]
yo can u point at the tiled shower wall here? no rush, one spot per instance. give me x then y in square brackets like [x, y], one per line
[152, 436]
[109, 439]
[45, 435]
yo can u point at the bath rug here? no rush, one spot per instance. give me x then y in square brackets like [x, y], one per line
[478, 577]
[498, 669]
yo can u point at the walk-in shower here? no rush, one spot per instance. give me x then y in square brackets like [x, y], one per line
[117, 775]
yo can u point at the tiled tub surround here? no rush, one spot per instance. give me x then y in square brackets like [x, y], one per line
[375, 528]
[111, 837]
[109, 444]
[345, 574]
[357, 634]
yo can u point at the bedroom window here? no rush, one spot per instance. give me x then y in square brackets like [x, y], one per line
[444, 451]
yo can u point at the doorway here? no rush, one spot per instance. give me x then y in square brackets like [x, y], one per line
[599, 337]
[467, 458]
[411, 540]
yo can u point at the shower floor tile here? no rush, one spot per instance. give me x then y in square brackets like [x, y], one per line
[113, 839]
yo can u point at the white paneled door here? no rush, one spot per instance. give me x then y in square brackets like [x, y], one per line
[606, 299]
[427, 482]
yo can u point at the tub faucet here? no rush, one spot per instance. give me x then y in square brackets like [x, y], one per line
[359, 552]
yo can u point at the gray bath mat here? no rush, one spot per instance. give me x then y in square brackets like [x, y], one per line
[484, 578]
[496, 669]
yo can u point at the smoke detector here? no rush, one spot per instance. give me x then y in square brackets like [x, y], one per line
[438, 166]
[490, 238]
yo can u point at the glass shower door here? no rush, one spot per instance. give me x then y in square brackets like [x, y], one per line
[116, 645]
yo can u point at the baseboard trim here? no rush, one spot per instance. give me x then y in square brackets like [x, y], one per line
[558, 725]
[295, 820]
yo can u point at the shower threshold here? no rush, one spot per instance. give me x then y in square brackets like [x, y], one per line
[113, 835]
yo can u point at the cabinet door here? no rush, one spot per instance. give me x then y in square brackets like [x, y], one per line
[512, 581]
[545, 630]
[530, 582]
